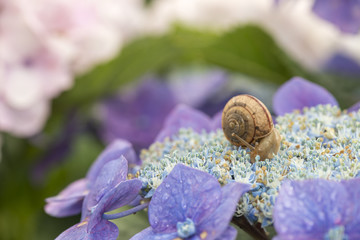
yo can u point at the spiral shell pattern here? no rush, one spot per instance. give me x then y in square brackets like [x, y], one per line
[248, 118]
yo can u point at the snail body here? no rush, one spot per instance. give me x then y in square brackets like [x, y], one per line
[247, 122]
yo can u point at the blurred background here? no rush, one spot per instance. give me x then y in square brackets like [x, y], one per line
[75, 75]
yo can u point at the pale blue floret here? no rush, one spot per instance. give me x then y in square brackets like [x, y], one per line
[323, 142]
[336, 233]
[186, 229]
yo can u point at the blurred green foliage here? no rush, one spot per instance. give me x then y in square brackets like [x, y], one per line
[248, 50]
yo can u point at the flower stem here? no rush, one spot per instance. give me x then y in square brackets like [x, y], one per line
[255, 231]
[125, 213]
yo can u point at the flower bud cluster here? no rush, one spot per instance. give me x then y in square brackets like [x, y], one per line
[320, 142]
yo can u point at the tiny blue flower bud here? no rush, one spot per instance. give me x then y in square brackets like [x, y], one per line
[186, 229]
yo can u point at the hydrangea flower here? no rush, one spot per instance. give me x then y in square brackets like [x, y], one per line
[191, 204]
[132, 115]
[138, 115]
[344, 14]
[43, 44]
[111, 190]
[70, 201]
[318, 209]
[87, 25]
[31, 74]
[320, 142]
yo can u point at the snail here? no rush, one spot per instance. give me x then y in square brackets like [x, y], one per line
[247, 122]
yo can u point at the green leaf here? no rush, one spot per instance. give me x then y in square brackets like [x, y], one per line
[251, 51]
[138, 58]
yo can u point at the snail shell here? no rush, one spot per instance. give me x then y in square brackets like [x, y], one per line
[246, 117]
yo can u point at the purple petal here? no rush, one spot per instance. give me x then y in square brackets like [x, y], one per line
[138, 115]
[216, 121]
[185, 193]
[194, 88]
[342, 64]
[299, 236]
[219, 220]
[119, 196]
[344, 14]
[298, 93]
[310, 208]
[229, 234]
[111, 174]
[149, 234]
[354, 108]
[68, 202]
[352, 227]
[183, 116]
[103, 230]
[114, 151]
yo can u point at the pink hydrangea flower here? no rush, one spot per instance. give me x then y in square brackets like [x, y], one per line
[44, 43]
[31, 74]
[86, 31]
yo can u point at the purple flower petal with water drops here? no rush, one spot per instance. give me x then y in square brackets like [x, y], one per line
[298, 93]
[221, 217]
[68, 202]
[115, 150]
[149, 234]
[352, 227]
[138, 115]
[183, 116]
[354, 108]
[95, 226]
[111, 174]
[103, 230]
[311, 209]
[344, 14]
[121, 195]
[189, 193]
[185, 203]
[72, 206]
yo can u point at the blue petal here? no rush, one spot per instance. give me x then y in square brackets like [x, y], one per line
[194, 88]
[132, 115]
[121, 195]
[183, 116]
[310, 207]
[216, 121]
[219, 220]
[352, 227]
[229, 234]
[68, 202]
[298, 93]
[111, 174]
[343, 14]
[103, 230]
[355, 107]
[342, 65]
[185, 193]
[114, 151]
[149, 234]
